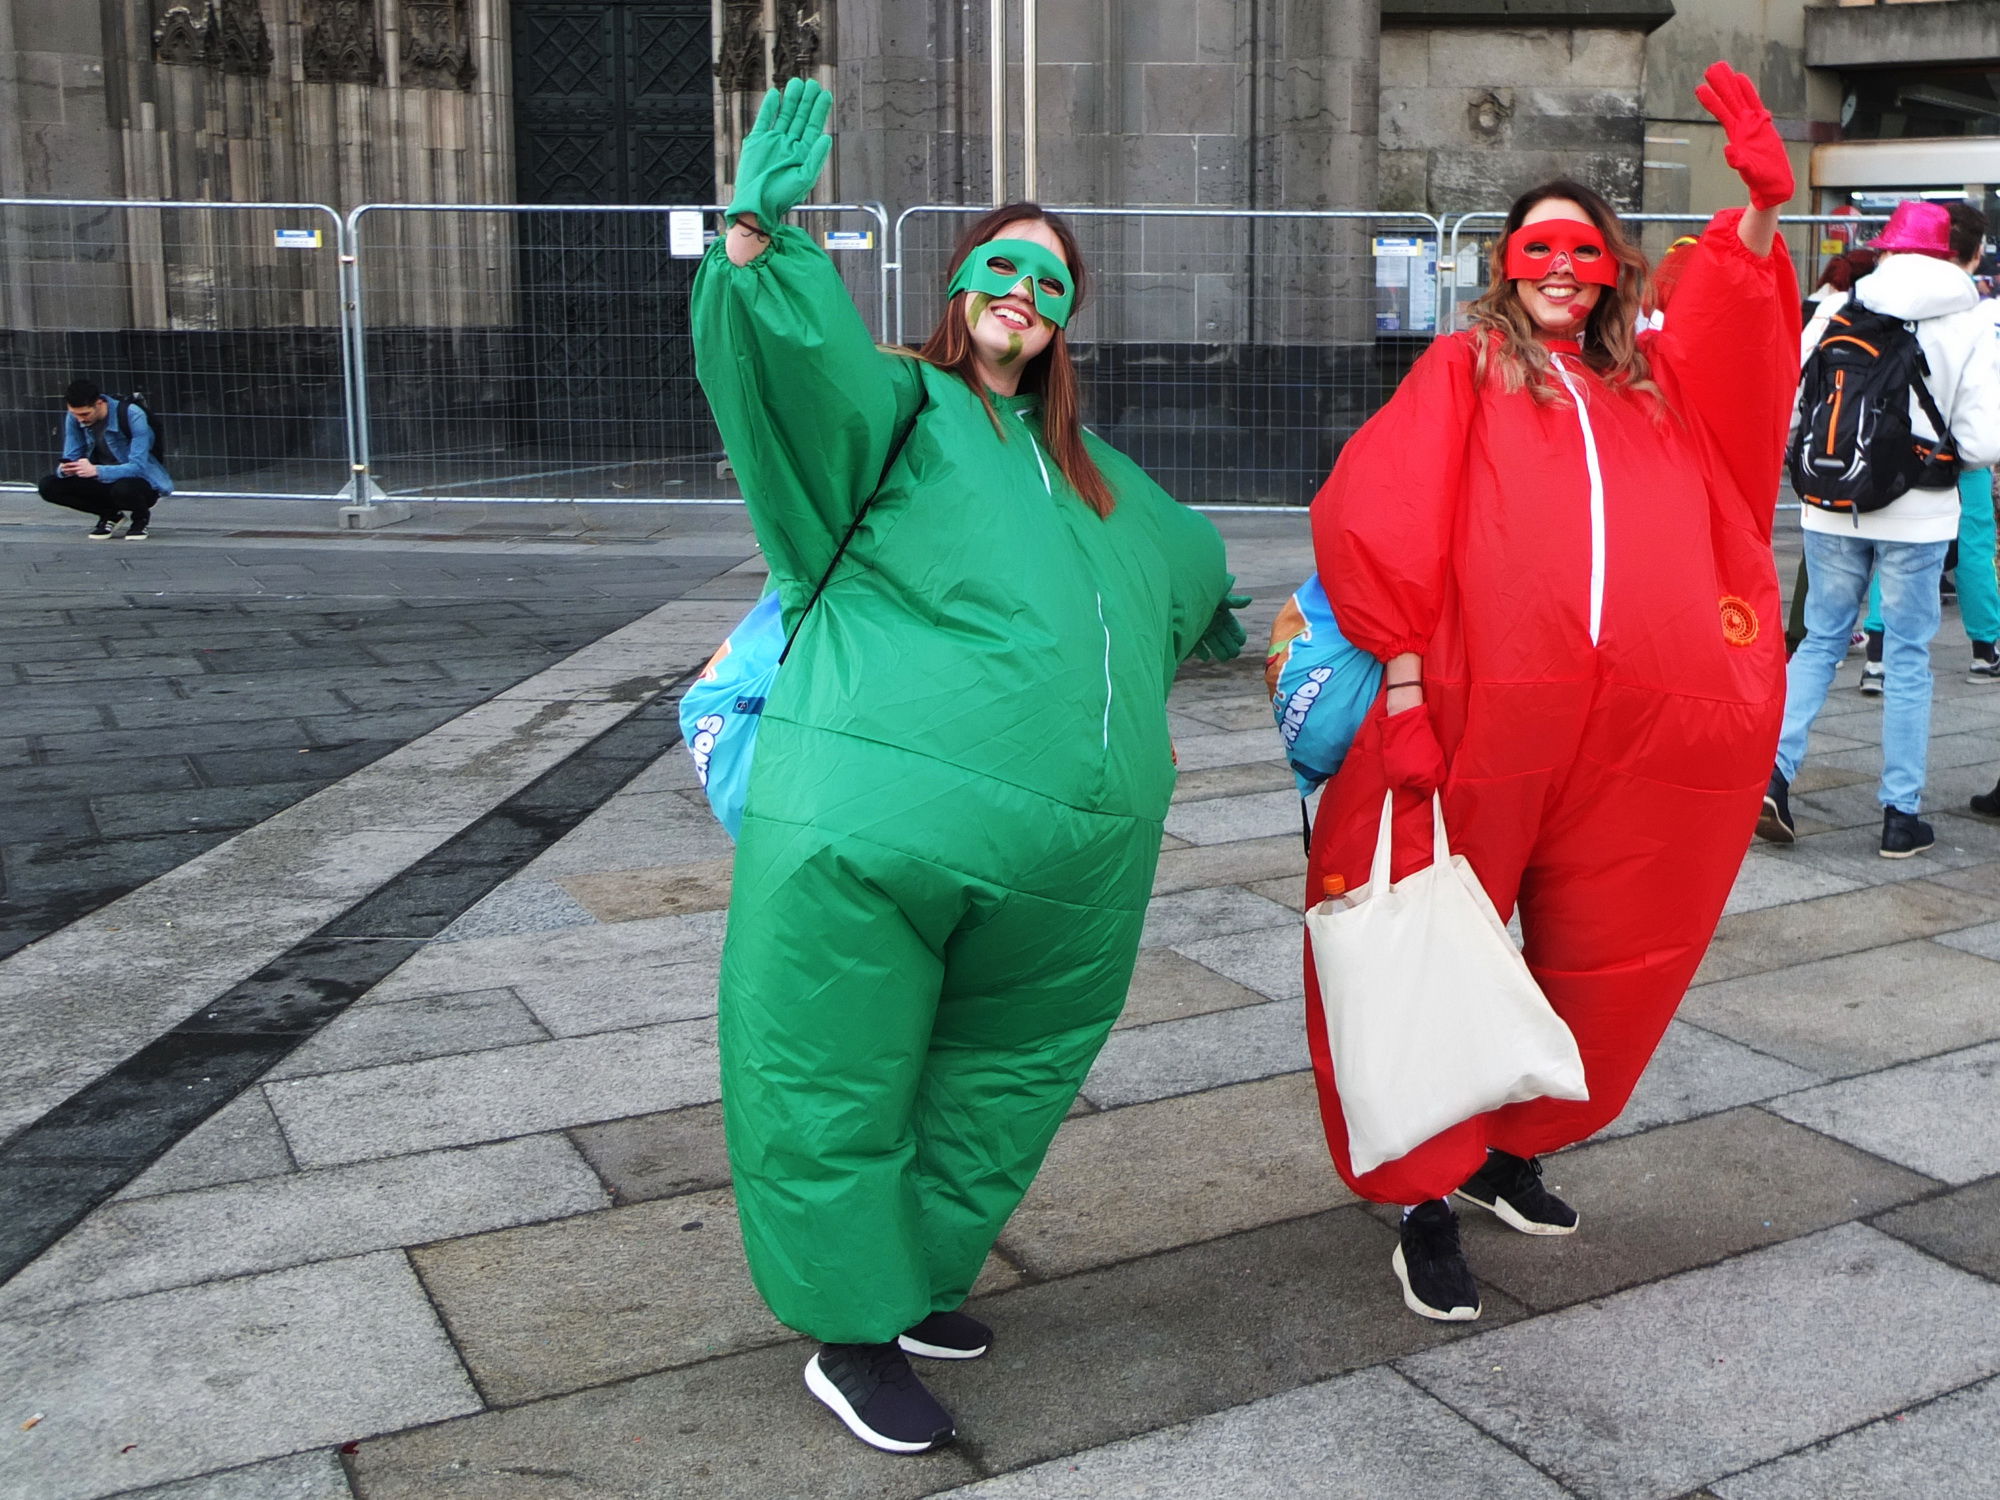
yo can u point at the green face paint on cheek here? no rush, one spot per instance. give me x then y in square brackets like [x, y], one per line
[1013, 349]
[976, 304]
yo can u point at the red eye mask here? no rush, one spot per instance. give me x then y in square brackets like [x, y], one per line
[1533, 248]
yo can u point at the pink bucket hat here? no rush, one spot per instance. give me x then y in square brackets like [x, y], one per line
[1918, 228]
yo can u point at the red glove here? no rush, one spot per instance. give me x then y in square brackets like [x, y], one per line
[1754, 150]
[1411, 756]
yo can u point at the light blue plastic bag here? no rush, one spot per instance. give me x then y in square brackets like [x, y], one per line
[724, 707]
[1321, 685]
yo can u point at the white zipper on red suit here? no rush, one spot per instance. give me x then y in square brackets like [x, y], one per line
[1596, 498]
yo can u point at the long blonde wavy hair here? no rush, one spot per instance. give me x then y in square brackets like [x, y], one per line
[1610, 338]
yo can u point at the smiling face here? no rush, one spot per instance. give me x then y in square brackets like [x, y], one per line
[1007, 331]
[1557, 300]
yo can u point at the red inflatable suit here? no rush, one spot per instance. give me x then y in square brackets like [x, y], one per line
[1591, 587]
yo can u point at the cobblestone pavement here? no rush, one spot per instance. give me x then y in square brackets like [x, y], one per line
[474, 1236]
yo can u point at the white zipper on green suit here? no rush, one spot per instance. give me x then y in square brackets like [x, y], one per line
[1596, 500]
[1102, 623]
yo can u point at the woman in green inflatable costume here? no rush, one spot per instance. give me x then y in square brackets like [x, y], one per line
[951, 828]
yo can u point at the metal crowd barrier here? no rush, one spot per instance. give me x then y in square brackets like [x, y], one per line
[1229, 351]
[521, 353]
[516, 353]
[226, 316]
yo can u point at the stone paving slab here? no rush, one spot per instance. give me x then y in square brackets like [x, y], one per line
[238, 1142]
[1183, 1334]
[1226, 821]
[1169, 987]
[1940, 1116]
[1757, 942]
[1983, 940]
[658, 1156]
[1186, 868]
[1659, 1390]
[1202, 1052]
[1696, 1072]
[1684, 1196]
[518, 906]
[492, 1095]
[1190, 916]
[1367, 1434]
[744, 1426]
[408, 1030]
[1270, 961]
[1233, 781]
[134, 1246]
[1962, 1227]
[635, 895]
[1945, 1447]
[1129, 1182]
[553, 1308]
[522, 962]
[1766, 881]
[302, 1476]
[1860, 1011]
[187, 1381]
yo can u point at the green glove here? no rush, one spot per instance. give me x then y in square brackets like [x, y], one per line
[1224, 637]
[783, 153]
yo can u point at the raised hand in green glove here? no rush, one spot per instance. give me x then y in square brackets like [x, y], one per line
[1224, 637]
[783, 153]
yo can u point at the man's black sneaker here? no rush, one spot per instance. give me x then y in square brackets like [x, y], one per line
[947, 1335]
[136, 532]
[1987, 804]
[105, 526]
[1437, 1283]
[1774, 823]
[1511, 1188]
[1904, 834]
[872, 1389]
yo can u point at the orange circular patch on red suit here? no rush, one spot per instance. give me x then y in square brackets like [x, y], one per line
[1739, 621]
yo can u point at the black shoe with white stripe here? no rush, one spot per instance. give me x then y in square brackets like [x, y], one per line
[873, 1390]
[1510, 1188]
[947, 1335]
[1774, 823]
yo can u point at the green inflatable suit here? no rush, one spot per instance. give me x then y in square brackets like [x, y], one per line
[955, 811]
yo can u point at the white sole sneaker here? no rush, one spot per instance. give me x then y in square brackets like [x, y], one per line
[829, 1394]
[936, 1351]
[1417, 1304]
[1505, 1212]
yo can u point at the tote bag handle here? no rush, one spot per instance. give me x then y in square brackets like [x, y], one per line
[1378, 870]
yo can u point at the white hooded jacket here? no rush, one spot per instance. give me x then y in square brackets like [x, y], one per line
[1957, 337]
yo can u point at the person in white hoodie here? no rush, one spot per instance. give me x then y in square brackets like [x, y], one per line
[1917, 281]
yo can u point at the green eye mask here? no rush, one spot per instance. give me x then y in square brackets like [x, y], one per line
[999, 266]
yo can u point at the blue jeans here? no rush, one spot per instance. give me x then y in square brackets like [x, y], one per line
[1978, 585]
[1837, 569]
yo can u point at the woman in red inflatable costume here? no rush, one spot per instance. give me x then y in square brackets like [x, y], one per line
[1557, 537]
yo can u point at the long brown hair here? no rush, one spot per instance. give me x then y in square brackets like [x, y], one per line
[1050, 374]
[1610, 338]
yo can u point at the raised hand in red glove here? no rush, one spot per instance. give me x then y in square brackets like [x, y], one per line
[1412, 759]
[1754, 151]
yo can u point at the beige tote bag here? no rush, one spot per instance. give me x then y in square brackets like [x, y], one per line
[1431, 1015]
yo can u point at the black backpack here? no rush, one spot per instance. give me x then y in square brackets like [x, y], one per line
[1854, 450]
[138, 399]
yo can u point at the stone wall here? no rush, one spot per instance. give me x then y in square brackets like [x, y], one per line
[1473, 115]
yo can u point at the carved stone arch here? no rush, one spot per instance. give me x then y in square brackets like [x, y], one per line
[437, 53]
[340, 43]
[739, 68]
[239, 42]
[801, 25]
[182, 37]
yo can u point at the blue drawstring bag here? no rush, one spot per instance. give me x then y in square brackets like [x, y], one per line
[723, 707]
[1321, 685]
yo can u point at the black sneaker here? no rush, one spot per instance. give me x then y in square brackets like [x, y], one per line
[1511, 1188]
[136, 532]
[1774, 823]
[1904, 834]
[1437, 1283]
[1987, 804]
[105, 526]
[1985, 663]
[872, 1389]
[1872, 678]
[947, 1335]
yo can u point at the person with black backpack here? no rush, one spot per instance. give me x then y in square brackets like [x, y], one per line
[110, 462]
[1900, 393]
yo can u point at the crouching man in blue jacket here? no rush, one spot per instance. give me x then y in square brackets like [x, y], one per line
[107, 469]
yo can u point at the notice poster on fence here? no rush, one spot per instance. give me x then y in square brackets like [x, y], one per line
[1424, 291]
[296, 239]
[685, 241]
